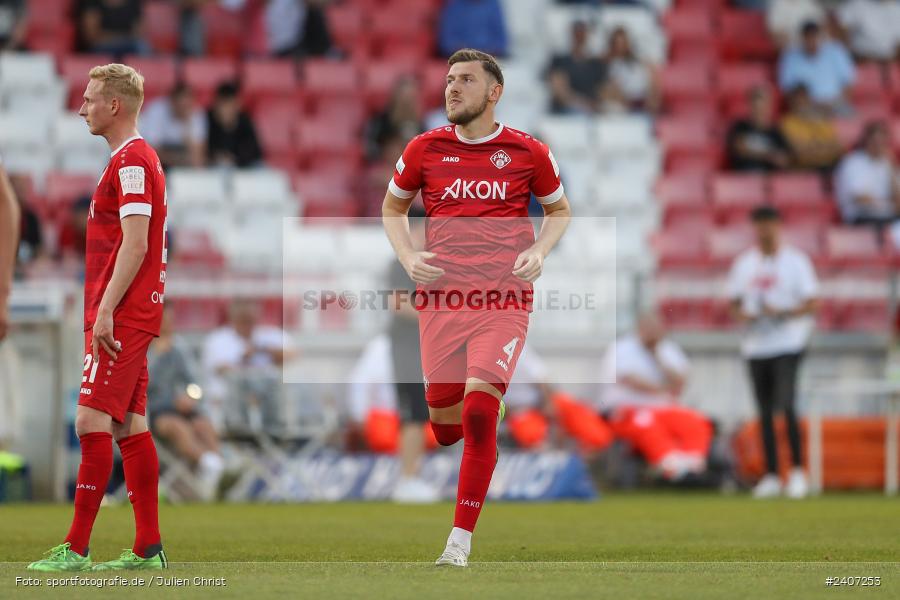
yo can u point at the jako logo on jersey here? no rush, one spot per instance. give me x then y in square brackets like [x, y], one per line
[500, 159]
[451, 159]
[482, 190]
[86, 486]
[502, 364]
[472, 503]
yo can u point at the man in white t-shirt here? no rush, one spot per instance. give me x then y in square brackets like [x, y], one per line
[243, 362]
[872, 28]
[866, 182]
[177, 128]
[648, 372]
[772, 288]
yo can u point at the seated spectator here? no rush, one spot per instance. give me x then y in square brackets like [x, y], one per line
[823, 66]
[648, 372]
[866, 181]
[13, 24]
[634, 82]
[811, 136]
[73, 232]
[176, 128]
[378, 171]
[112, 27]
[297, 28]
[472, 24]
[231, 138]
[174, 411]
[243, 362]
[755, 143]
[191, 28]
[401, 118]
[576, 78]
[785, 18]
[871, 28]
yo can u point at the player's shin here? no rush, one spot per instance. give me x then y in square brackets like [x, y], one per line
[141, 466]
[93, 476]
[479, 457]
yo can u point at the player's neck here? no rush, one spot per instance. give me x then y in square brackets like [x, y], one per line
[116, 137]
[481, 127]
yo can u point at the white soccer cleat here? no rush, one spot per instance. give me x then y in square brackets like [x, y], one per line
[797, 486]
[454, 555]
[768, 487]
[412, 490]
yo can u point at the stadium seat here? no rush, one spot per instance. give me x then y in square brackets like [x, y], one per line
[868, 84]
[325, 78]
[743, 35]
[311, 249]
[734, 196]
[203, 75]
[277, 141]
[63, 189]
[862, 314]
[735, 80]
[725, 243]
[793, 189]
[161, 25]
[566, 135]
[262, 187]
[380, 78]
[681, 314]
[683, 197]
[225, 30]
[317, 138]
[346, 24]
[701, 53]
[160, 74]
[196, 187]
[680, 81]
[849, 130]
[268, 78]
[808, 239]
[623, 133]
[692, 25]
[676, 249]
[854, 248]
[57, 43]
[27, 71]
[20, 132]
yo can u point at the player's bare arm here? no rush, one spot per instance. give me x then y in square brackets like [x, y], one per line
[9, 234]
[131, 254]
[530, 262]
[396, 224]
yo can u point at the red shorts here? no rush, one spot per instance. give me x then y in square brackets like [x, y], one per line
[117, 387]
[457, 345]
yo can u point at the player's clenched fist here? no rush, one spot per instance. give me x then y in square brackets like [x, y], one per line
[529, 265]
[419, 270]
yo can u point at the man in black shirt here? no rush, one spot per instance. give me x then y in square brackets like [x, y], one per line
[231, 138]
[112, 26]
[756, 143]
[576, 78]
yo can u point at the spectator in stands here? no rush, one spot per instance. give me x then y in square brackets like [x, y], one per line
[31, 238]
[785, 18]
[297, 28]
[243, 362]
[378, 171]
[191, 28]
[112, 27]
[177, 128]
[13, 24]
[577, 78]
[772, 288]
[871, 28]
[811, 136]
[633, 82]
[867, 182]
[231, 137]
[174, 410]
[644, 373]
[755, 143]
[73, 233]
[472, 24]
[824, 66]
[401, 118]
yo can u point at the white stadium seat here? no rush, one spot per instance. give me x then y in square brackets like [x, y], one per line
[311, 250]
[21, 132]
[197, 186]
[566, 135]
[259, 187]
[623, 133]
[365, 248]
[27, 71]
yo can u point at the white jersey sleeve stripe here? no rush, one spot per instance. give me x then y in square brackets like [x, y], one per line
[399, 191]
[551, 198]
[135, 208]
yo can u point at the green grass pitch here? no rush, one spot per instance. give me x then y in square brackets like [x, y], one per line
[643, 546]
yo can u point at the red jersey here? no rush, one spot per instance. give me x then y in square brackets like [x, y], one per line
[133, 183]
[465, 185]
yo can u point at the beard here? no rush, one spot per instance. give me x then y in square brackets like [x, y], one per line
[467, 116]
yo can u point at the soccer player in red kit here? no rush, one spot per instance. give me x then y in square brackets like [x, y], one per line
[125, 276]
[476, 178]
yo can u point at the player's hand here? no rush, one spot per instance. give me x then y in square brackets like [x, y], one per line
[102, 337]
[419, 270]
[529, 265]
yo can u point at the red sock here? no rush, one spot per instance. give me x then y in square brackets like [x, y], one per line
[142, 479]
[447, 435]
[479, 423]
[93, 475]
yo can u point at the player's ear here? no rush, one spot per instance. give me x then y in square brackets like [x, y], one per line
[115, 105]
[496, 92]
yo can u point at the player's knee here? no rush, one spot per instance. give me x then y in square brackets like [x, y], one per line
[89, 423]
[481, 407]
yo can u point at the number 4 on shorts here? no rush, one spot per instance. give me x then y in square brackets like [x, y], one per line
[510, 349]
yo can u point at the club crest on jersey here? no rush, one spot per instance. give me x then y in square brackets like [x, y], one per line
[500, 159]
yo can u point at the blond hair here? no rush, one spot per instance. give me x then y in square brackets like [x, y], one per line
[488, 62]
[121, 81]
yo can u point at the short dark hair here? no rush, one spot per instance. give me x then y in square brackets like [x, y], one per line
[810, 27]
[765, 214]
[471, 55]
[227, 89]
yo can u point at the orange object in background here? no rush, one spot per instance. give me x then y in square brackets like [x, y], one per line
[581, 422]
[852, 451]
[657, 431]
[382, 432]
[528, 428]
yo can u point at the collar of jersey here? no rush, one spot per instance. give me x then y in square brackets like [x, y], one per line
[480, 140]
[125, 143]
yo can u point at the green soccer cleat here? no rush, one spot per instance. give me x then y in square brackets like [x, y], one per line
[131, 561]
[500, 416]
[62, 558]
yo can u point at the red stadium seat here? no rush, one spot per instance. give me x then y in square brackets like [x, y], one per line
[725, 243]
[346, 25]
[685, 81]
[192, 248]
[869, 83]
[204, 75]
[734, 196]
[685, 134]
[790, 189]
[876, 108]
[895, 135]
[48, 17]
[63, 189]
[855, 247]
[324, 78]
[849, 130]
[161, 25]
[321, 139]
[684, 200]
[808, 239]
[433, 78]
[688, 314]
[225, 30]
[380, 79]
[702, 53]
[341, 113]
[736, 80]
[862, 314]
[684, 163]
[59, 41]
[743, 35]
[160, 74]
[694, 25]
[268, 79]
[679, 249]
[74, 70]
[277, 141]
